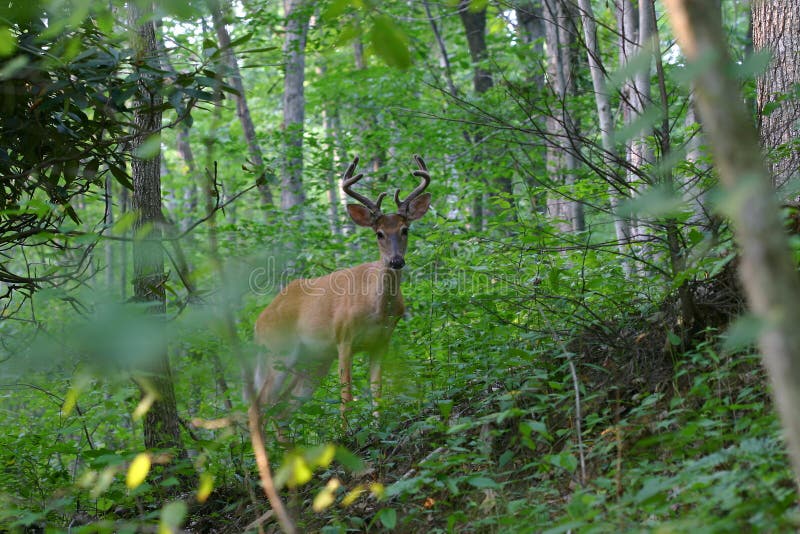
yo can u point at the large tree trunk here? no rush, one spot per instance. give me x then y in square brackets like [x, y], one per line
[294, 52]
[776, 28]
[161, 424]
[242, 109]
[768, 271]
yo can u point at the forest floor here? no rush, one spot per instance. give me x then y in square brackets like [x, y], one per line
[677, 434]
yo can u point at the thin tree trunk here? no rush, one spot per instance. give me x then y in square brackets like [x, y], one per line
[776, 28]
[474, 22]
[561, 161]
[182, 142]
[294, 46]
[358, 54]
[108, 221]
[124, 200]
[602, 103]
[161, 423]
[693, 191]
[242, 109]
[329, 120]
[768, 271]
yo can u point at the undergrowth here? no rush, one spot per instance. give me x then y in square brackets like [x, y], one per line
[497, 458]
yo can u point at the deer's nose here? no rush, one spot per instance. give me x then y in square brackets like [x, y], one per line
[397, 262]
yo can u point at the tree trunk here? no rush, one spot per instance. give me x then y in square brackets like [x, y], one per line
[559, 25]
[474, 22]
[294, 48]
[776, 28]
[530, 30]
[768, 271]
[693, 191]
[606, 122]
[108, 222]
[161, 424]
[264, 176]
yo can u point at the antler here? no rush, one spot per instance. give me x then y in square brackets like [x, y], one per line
[348, 180]
[402, 205]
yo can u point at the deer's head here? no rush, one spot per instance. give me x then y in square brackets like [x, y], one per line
[391, 230]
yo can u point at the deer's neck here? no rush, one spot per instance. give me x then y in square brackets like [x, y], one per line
[390, 298]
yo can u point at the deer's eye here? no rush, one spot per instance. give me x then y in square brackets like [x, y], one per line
[380, 234]
[404, 231]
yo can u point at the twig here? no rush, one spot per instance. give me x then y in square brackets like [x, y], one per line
[576, 384]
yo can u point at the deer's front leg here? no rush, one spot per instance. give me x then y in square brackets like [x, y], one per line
[375, 360]
[346, 373]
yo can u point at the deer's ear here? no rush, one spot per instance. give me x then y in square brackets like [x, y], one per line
[360, 215]
[419, 207]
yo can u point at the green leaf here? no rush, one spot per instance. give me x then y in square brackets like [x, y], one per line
[674, 339]
[8, 41]
[172, 516]
[483, 483]
[655, 202]
[387, 517]
[335, 9]
[11, 67]
[753, 65]
[743, 333]
[390, 43]
[476, 6]
[564, 460]
[349, 460]
[121, 176]
[149, 148]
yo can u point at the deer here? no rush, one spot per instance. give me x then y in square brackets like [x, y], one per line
[311, 322]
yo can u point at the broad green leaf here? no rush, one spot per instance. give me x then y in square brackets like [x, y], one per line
[483, 483]
[564, 460]
[8, 41]
[754, 65]
[335, 9]
[388, 517]
[390, 43]
[138, 470]
[742, 333]
[149, 148]
[349, 460]
[11, 67]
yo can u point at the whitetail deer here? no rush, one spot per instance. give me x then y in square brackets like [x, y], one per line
[312, 321]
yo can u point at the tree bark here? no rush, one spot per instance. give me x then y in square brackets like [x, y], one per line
[234, 76]
[768, 272]
[606, 122]
[559, 26]
[161, 423]
[776, 28]
[474, 22]
[530, 30]
[294, 47]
